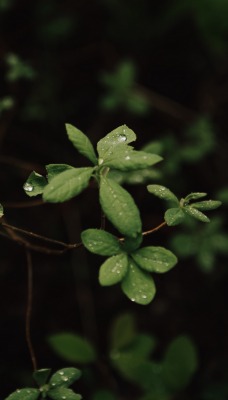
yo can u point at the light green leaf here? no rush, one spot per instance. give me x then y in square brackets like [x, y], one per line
[100, 242]
[138, 285]
[206, 205]
[154, 259]
[61, 393]
[55, 169]
[67, 185]
[65, 377]
[81, 142]
[131, 160]
[72, 347]
[174, 216]
[180, 363]
[131, 244]
[113, 270]
[41, 375]
[120, 208]
[123, 331]
[162, 192]
[194, 196]
[109, 144]
[35, 184]
[193, 212]
[24, 394]
[1, 211]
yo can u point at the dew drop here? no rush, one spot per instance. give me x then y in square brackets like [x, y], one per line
[61, 373]
[100, 161]
[18, 391]
[127, 158]
[65, 379]
[122, 137]
[28, 187]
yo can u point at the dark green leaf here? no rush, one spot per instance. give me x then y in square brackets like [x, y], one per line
[104, 395]
[72, 347]
[131, 160]
[64, 377]
[110, 143]
[24, 394]
[174, 216]
[138, 285]
[41, 376]
[123, 331]
[143, 346]
[67, 185]
[35, 184]
[100, 242]
[194, 196]
[62, 393]
[113, 270]
[120, 208]
[155, 259]
[163, 193]
[81, 142]
[207, 205]
[55, 169]
[131, 244]
[193, 212]
[1, 211]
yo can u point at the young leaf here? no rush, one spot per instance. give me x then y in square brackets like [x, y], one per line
[56, 169]
[41, 376]
[206, 205]
[131, 160]
[24, 394]
[81, 142]
[67, 185]
[194, 196]
[131, 244]
[154, 259]
[138, 285]
[119, 136]
[35, 184]
[72, 347]
[100, 242]
[61, 393]
[113, 270]
[193, 212]
[64, 377]
[120, 208]
[174, 216]
[1, 211]
[163, 193]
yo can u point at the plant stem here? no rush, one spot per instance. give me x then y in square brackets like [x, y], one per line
[29, 310]
[154, 229]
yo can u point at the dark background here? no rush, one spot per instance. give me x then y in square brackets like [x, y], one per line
[180, 57]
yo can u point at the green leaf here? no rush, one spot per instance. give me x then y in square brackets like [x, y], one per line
[24, 394]
[193, 212]
[81, 142]
[100, 242]
[67, 185]
[131, 160]
[174, 216]
[123, 331]
[162, 192]
[194, 196]
[110, 143]
[64, 377]
[1, 211]
[41, 376]
[35, 184]
[113, 270]
[63, 393]
[180, 363]
[138, 285]
[154, 259]
[120, 208]
[72, 347]
[56, 169]
[207, 205]
[131, 244]
[143, 346]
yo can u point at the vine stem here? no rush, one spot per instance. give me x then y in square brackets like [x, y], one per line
[29, 309]
[154, 229]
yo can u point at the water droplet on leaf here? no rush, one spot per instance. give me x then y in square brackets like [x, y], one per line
[122, 137]
[28, 187]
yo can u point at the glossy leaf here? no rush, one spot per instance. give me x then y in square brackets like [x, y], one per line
[123, 331]
[155, 259]
[110, 143]
[120, 208]
[194, 196]
[62, 393]
[162, 192]
[41, 376]
[72, 347]
[131, 160]
[64, 377]
[193, 212]
[113, 270]
[81, 142]
[207, 205]
[138, 285]
[100, 242]
[35, 184]
[1, 211]
[24, 394]
[55, 169]
[67, 185]
[174, 216]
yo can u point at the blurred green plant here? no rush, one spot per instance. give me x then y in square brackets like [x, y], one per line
[17, 68]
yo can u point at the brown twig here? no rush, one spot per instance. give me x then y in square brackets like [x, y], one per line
[154, 229]
[29, 310]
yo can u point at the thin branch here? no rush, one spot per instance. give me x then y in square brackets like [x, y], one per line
[154, 229]
[23, 204]
[29, 310]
